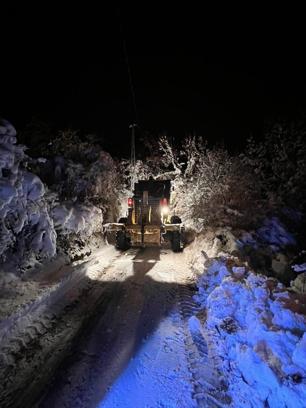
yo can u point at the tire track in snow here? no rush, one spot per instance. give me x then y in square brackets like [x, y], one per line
[35, 346]
[135, 354]
[98, 352]
[208, 384]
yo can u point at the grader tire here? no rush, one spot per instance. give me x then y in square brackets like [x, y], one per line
[176, 241]
[122, 242]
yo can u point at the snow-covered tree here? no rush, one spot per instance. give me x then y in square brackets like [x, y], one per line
[26, 229]
[210, 187]
[87, 186]
[83, 173]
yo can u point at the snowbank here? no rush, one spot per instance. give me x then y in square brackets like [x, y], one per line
[253, 329]
[209, 245]
[26, 229]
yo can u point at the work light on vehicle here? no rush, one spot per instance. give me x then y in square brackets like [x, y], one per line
[164, 210]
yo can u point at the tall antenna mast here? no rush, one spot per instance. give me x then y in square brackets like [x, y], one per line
[133, 100]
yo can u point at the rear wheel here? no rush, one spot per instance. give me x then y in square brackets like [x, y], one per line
[122, 242]
[122, 220]
[176, 241]
[175, 220]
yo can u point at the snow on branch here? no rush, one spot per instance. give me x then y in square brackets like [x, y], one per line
[26, 229]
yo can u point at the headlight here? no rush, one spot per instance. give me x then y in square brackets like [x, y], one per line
[164, 210]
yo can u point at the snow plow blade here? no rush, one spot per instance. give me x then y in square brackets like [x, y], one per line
[125, 236]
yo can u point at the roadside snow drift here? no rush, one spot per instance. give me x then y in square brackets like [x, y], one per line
[254, 330]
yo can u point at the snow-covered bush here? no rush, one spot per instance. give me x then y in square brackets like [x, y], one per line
[26, 229]
[82, 172]
[210, 187]
[71, 218]
[79, 227]
[87, 188]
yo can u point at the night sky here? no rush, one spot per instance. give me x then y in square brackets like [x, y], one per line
[217, 80]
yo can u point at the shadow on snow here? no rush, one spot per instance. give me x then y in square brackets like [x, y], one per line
[127, 313]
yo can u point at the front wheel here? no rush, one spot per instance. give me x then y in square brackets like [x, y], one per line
[176, 241]
[122, 242]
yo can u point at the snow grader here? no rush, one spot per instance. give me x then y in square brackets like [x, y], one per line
[148, 221]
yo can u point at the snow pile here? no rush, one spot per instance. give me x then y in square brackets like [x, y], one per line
[213, 243]
[254, 330]
[26, 229]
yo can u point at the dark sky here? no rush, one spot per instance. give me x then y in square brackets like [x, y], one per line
[219, 80]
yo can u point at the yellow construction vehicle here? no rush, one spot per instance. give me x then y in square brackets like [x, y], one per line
[148, 221]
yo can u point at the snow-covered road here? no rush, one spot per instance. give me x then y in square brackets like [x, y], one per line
[116, 332]
[134, 353]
